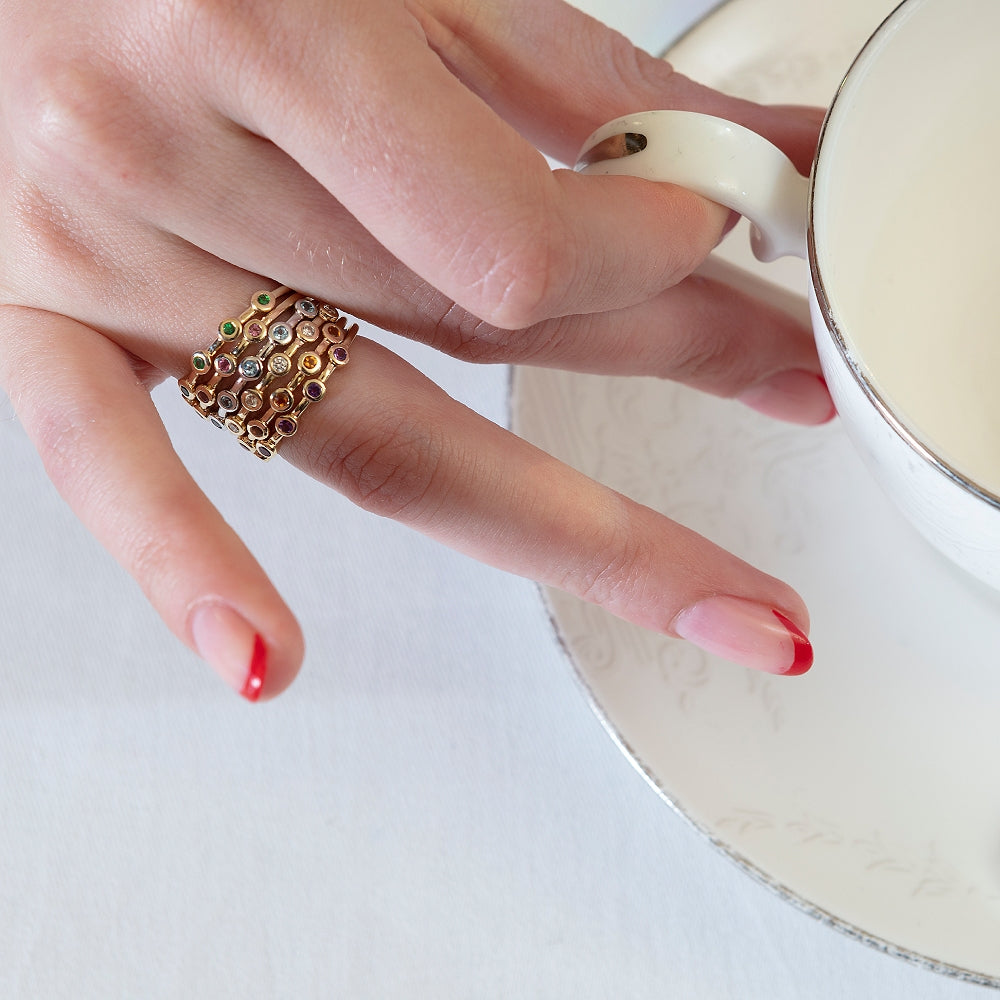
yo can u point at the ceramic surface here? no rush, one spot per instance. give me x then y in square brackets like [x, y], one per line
[901, 243]
[864, 791]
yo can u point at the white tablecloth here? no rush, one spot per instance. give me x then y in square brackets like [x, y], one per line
[432, 811]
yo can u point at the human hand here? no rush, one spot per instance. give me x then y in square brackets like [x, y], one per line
[159, 158]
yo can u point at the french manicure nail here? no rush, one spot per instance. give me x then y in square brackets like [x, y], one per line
[799, 397]
[232, 646]
[747, 633]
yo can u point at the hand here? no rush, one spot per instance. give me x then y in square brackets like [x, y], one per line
[161, 158]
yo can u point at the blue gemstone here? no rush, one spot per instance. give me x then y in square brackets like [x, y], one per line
[251, 367]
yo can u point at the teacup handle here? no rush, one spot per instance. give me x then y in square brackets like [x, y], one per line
[718, 159]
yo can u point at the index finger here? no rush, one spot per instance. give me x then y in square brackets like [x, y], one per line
[454, 191]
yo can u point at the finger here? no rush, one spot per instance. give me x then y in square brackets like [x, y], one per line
[107, 452]
[703, 333]
[558, 94]
[454, 192]
[399, 447]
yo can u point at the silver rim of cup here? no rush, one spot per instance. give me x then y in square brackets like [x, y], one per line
[860, 375]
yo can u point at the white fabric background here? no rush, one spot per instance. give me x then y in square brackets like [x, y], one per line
[432, 811]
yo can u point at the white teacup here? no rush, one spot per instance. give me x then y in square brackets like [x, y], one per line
[900, 223]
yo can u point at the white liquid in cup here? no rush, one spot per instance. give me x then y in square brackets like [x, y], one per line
[907, 224]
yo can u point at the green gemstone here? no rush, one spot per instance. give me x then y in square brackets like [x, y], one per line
[264, 300]
[228, 328]
[199, 362]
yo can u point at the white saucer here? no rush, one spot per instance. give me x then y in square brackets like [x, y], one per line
[866, 790]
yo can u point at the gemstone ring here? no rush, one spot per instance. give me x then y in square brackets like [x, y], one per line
[267, 366]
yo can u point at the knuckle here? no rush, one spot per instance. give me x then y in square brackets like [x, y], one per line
[88, 126]
[390, 468]
[64, 117]
[525, 281]
[41, 238]
[718, 363]
[698, 363]
[616, 571]
[635, 71]
[464, 336]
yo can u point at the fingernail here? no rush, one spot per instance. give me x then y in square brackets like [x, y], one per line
[747, 633]
[232, 646]
[799, 397]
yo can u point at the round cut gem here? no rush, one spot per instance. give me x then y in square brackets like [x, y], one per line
[263, 299]
[205, 396]
[255, 331]
[199, 362]
[225, 364]
[307, 307]
[264, 452]
[314, 390]
[286, 426]
[340, 355]
[227, 402]
[281, 334]
[185, 392]
[229, 329]
[310, 363]
[251, 368]
[257, 430]
[234, 426]
[307, 332]
[281, 400]
[280, 364]
[252, 400]
[216, 422]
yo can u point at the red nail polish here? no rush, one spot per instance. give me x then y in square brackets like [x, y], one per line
[258, 671]
[746, 632]
[803, 647]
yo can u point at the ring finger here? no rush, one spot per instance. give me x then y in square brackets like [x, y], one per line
[400, 447]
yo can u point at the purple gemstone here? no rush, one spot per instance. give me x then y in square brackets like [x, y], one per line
[340, 355]
[313, 390]
[286, 427]
[255, 331]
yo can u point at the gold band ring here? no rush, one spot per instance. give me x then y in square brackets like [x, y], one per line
[267, 366]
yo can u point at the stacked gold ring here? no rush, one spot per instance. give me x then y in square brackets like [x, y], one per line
[267, 366]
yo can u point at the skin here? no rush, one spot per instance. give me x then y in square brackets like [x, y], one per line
[163, 159]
